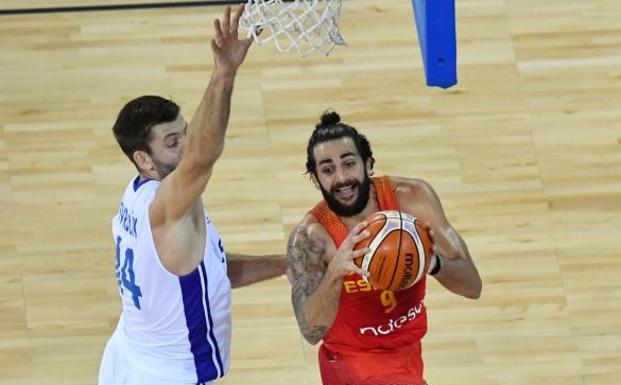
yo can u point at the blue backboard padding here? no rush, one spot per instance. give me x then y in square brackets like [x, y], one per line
[435, 22]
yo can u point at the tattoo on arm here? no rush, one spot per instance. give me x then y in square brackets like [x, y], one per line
[304, 257]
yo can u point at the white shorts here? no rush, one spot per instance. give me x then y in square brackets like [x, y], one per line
[116, 369]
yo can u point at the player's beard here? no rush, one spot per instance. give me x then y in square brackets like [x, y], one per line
[363, 189]
[163, 169]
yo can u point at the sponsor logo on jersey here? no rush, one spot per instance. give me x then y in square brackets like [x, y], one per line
[393, 324]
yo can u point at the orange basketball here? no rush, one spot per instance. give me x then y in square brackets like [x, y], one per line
[400, 250]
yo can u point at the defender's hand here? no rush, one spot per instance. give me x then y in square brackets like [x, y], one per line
[229, 51]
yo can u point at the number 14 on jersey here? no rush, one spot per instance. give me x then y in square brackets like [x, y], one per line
[125, 276]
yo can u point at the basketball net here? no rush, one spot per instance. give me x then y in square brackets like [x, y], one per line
[308, 26]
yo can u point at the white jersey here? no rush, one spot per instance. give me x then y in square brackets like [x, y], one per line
[172, 328]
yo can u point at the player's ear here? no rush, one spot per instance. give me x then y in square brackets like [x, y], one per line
[315, 181]
[369, 166]
[142, 160]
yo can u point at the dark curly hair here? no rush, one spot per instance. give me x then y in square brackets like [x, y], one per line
[329, 128]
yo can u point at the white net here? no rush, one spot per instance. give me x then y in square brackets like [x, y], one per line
[308, 26]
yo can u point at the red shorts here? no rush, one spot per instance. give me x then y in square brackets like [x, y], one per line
[398, 367]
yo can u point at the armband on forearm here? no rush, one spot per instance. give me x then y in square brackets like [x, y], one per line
[435, 269]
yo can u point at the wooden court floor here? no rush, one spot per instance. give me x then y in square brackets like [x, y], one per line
[525, 153]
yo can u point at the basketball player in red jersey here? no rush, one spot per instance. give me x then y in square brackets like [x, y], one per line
[370, 336]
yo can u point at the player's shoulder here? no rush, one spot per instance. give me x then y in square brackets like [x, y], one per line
[411, 187]
[310, 235]
[309, 226]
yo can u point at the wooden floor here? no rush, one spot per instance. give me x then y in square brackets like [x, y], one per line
[525, 153]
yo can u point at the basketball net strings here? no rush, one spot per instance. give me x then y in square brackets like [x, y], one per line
[307, 26]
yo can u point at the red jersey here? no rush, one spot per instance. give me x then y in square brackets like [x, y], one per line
[370, 318]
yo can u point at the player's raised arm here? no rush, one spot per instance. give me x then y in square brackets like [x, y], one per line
[317, 285]
[204, 141]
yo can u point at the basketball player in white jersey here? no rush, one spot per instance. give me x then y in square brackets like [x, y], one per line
[174, 278]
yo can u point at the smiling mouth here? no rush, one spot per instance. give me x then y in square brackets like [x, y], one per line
[346, 193]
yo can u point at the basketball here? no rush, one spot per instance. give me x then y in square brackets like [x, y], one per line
[400, 250]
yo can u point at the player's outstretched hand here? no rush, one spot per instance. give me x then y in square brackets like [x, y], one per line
[228, 49]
